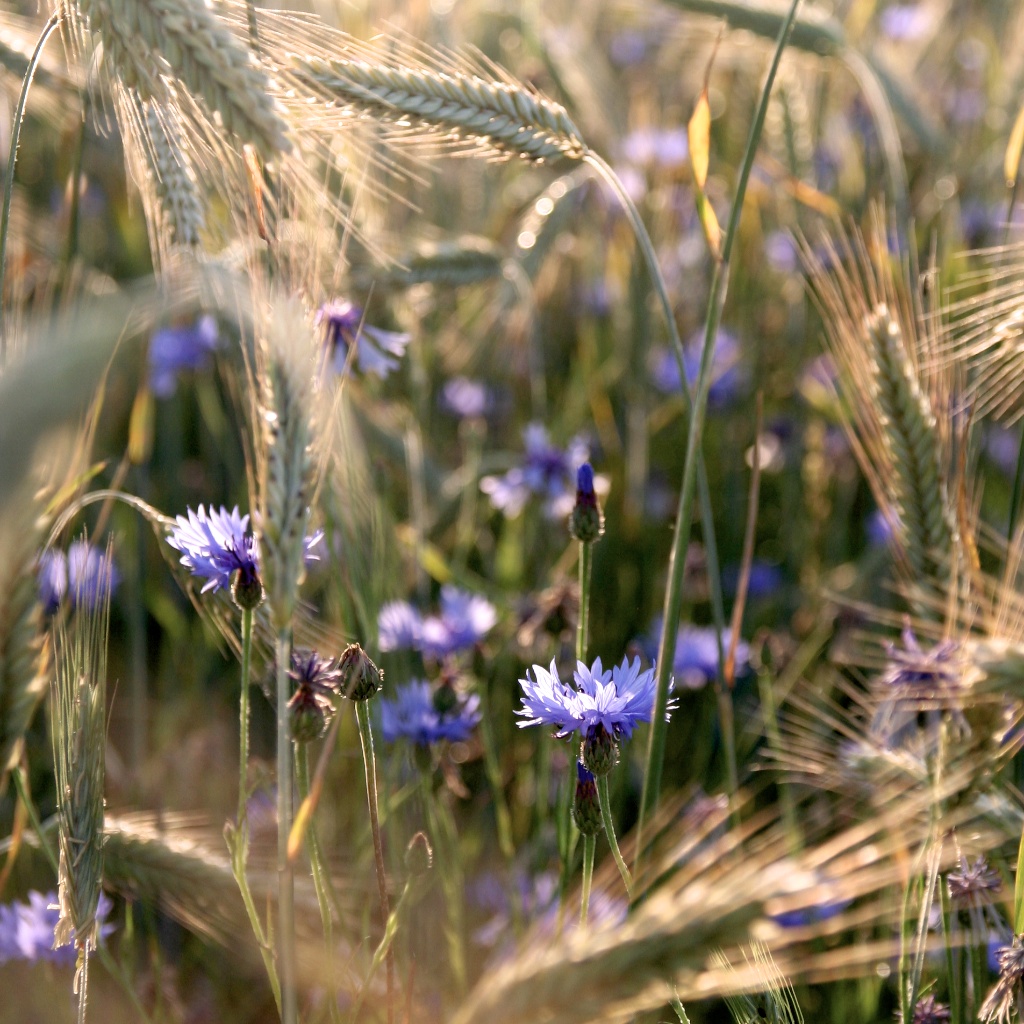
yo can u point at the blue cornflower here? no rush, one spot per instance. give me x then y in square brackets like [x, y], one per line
[174, 349]
[92, 576]
[52, 579]
[418, 714]
[765, 579]
[728, 376]
[27, 929]
[216, 545]
[464, 621]
[696, 661]
[546, 471]
[467, 399]
[377, 351]
[604, 706]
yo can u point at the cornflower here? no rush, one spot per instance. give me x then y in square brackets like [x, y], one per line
[604, 706]
[175, 349]
[91, 575]
[52, 579]
[464, 621]
[377, 351]
[27, 929]
[311, 706]
[425, 716]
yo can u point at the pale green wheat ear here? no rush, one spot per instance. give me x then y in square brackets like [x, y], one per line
[153, 45]
[79, 719]
[504, 117]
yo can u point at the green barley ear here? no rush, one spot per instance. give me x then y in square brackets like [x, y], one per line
[917, 485]
[286, 463]
[79, 745]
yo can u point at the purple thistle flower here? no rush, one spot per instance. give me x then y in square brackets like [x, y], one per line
[611, 701]
[52, 579]
[928, 1011]
[377, 351]
[728, 376]
[92, 577]
[175, 349]
[311, 706]
[467, 399]
[415, 715]
[696, 660]
[546, 471]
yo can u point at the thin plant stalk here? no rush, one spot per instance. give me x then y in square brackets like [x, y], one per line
[21, 785]
[285, 871]
[243, 718]
[370, 765]
[19, 117]
[502, 817]
[586, 561]
[589, 846]
[609, 828]
[384, 948]
[82, 980]
[319, 876]
[681, 538]
[680, 1010]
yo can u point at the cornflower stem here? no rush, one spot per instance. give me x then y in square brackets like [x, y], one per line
[609, 828]
[383, 948]
[502, 817]
[681, 540]
[586, 564]
[589, 847]
[19, 117]
[243, 719]
[319, 876]
[285, 871]
[370, 765]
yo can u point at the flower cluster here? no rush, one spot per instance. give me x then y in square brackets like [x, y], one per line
[84, 574]
[376, 351]
[424, 716]
[217, 546]
[696, 659]
[464, 621]
[546, 471]
[175, 349]
[27, 929]
[728, 376]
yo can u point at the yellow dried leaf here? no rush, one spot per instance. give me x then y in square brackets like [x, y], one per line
[709, 222]
[1013, 150]
[699, 133]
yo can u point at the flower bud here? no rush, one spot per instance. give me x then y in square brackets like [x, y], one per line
[586, 523]
[307, 715]
[419, 857]
[247, 589]
[586, 808]
[360, 677]
[600, 751]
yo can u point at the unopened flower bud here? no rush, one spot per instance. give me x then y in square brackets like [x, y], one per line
[586, 523]
[600, 751]
[418, 855]
[307, 715]
[586, 808]
[360, 677]
[247, 589]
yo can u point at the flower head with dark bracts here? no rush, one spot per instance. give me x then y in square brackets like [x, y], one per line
[311, 706]
[546, 471]
[1001, 1003]
[586, 522]
[604, 706]
[423, 716]
[465, 619]
[218, 547]
[173, 350]
[974, 885]
[928, 1011]
[377, 351]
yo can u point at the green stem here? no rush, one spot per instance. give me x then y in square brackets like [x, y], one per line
[681, 539]
[19, 117]
[589, 846]
[586, 561]
[82, 982]
[492, 766]
[383, 949]
[26, 798]
[609, 829]
[319, 877]
[771, 727]
[370, 765]
[285, 871]
[680, 1011]
[243, 718]
[118, 973]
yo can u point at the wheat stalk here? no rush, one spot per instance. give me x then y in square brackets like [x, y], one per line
[504, 117]
[148, 43]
